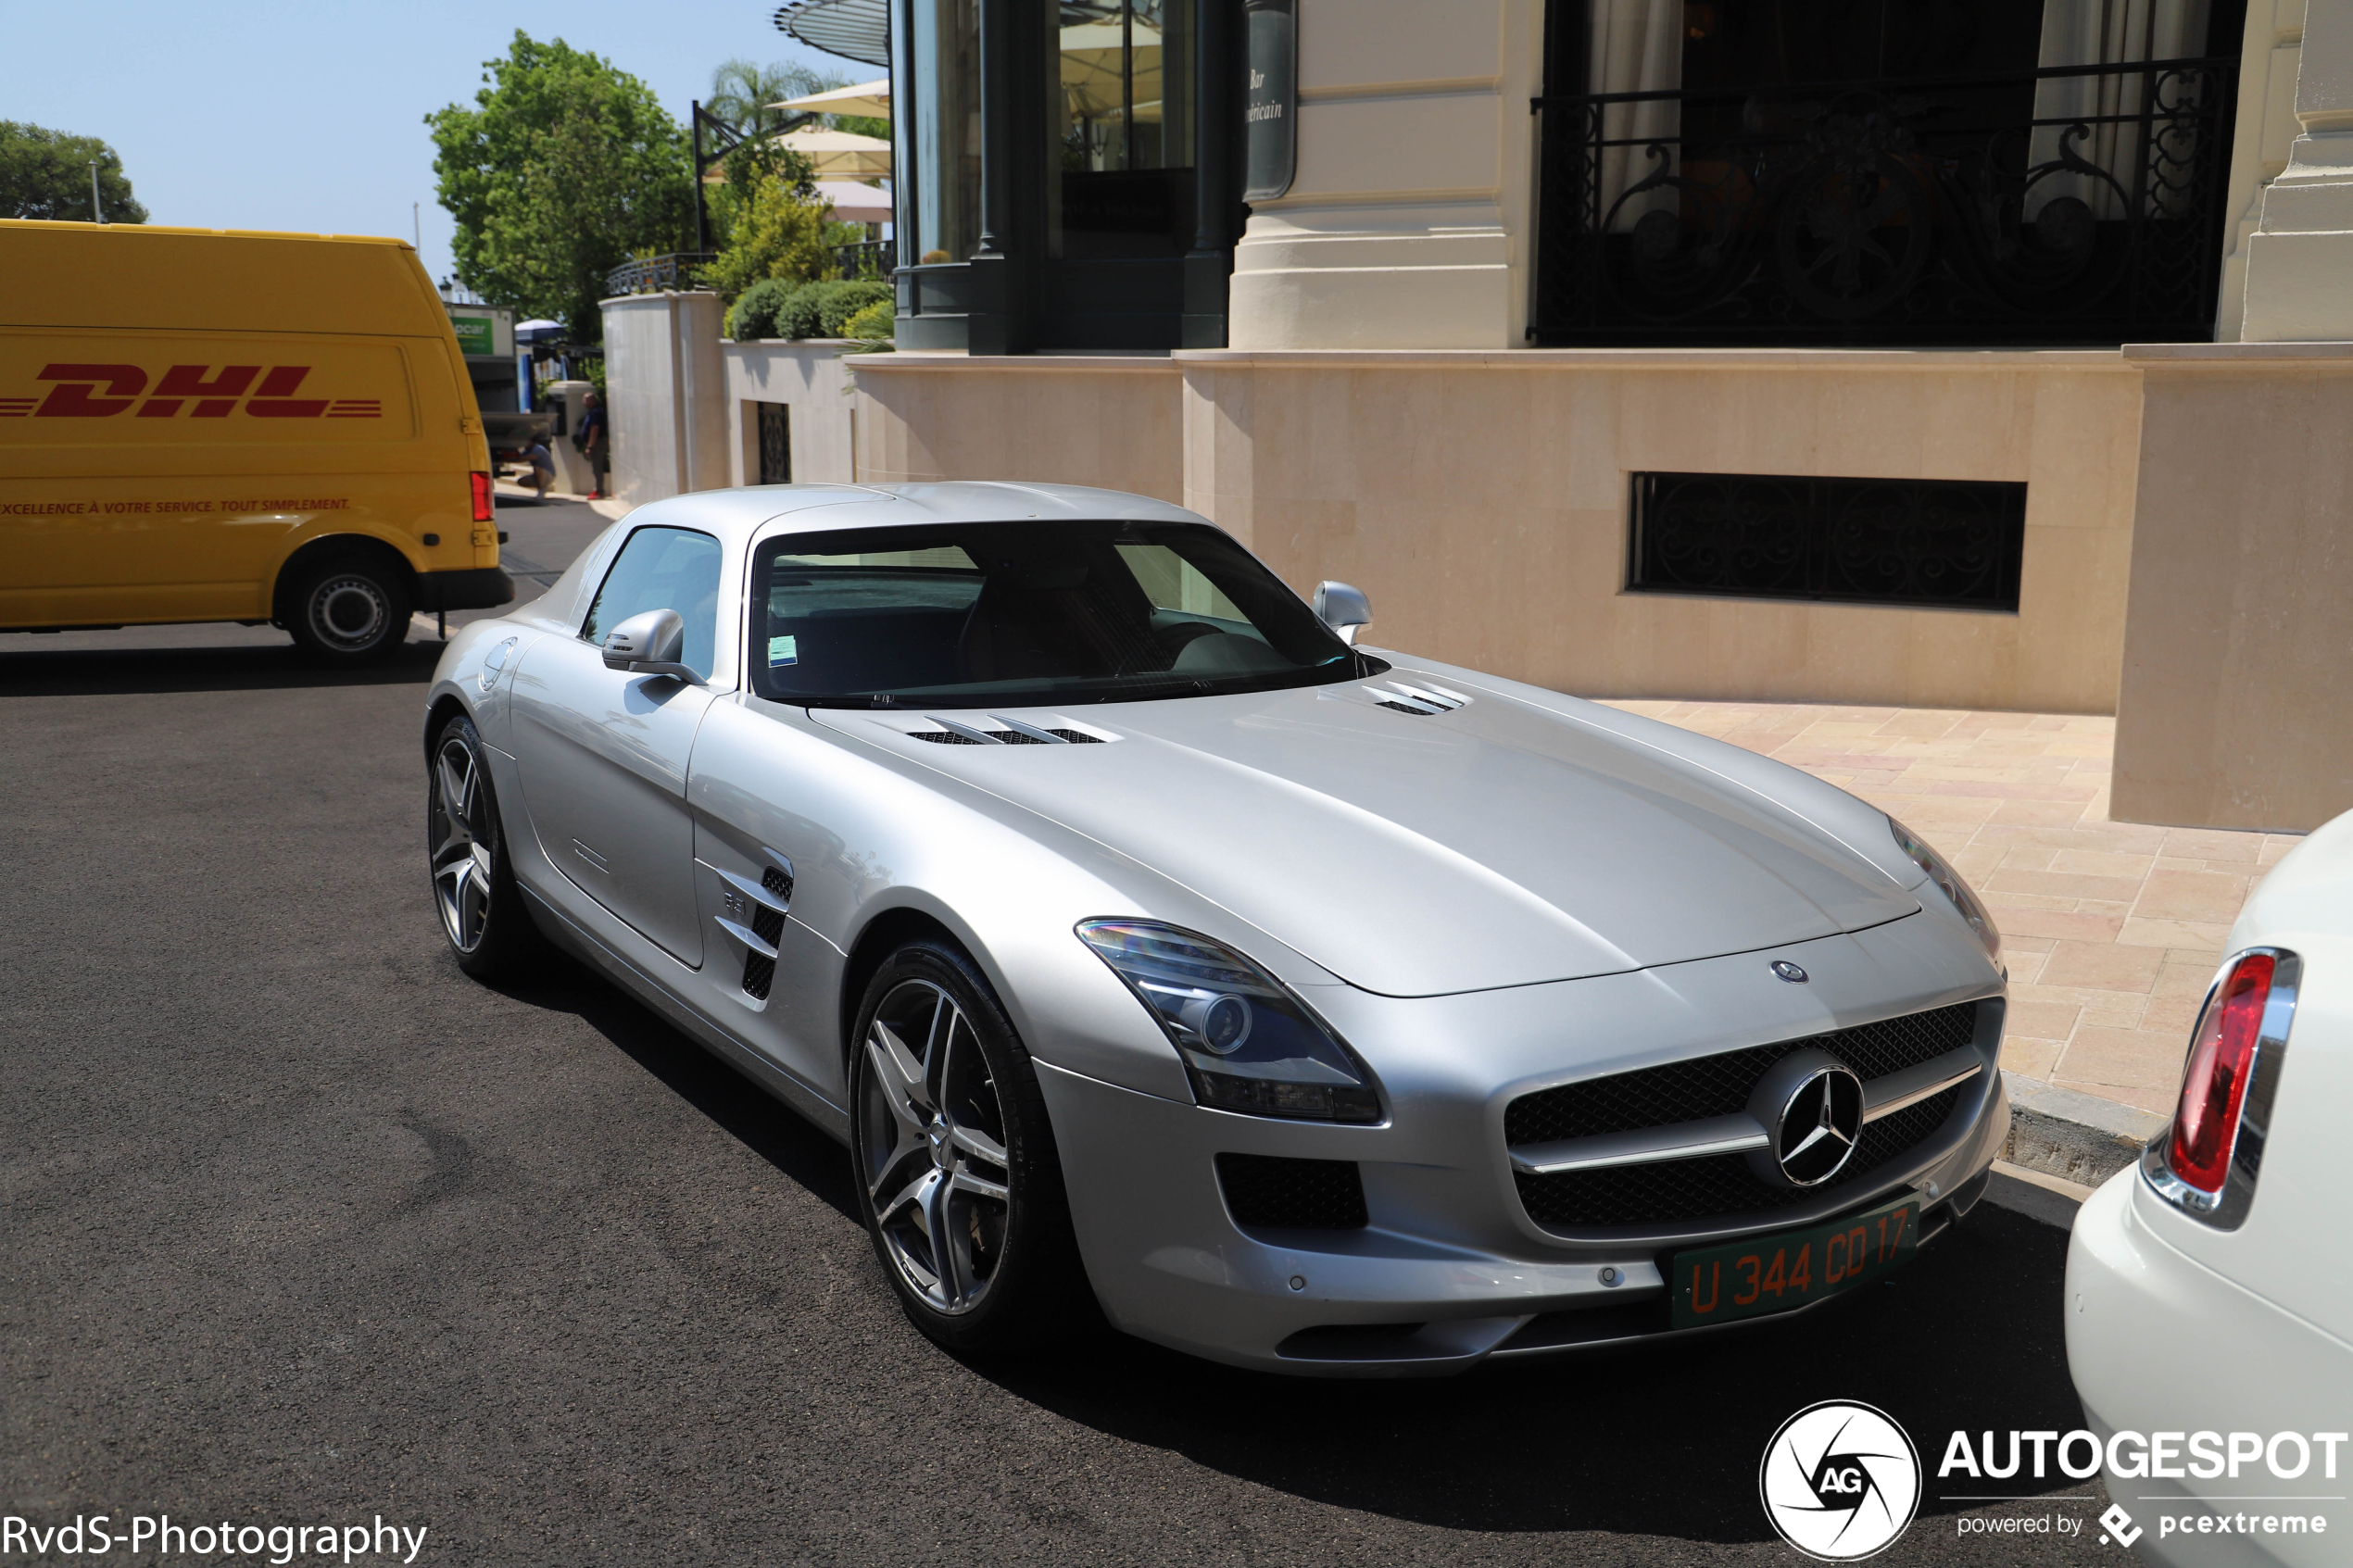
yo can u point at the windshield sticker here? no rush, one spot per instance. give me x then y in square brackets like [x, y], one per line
[783, 651]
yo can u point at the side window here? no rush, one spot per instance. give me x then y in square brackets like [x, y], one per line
[663, 569]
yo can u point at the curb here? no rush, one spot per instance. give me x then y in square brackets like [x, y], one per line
[2077, 1138]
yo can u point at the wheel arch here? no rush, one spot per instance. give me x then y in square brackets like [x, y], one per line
[328, 545]
[446, 707]
[884, 934]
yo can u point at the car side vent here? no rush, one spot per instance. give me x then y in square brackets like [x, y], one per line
[760, 971]
[1421, 701]
[1274, 1193]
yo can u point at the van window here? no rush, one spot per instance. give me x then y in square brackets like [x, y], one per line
[663, 569]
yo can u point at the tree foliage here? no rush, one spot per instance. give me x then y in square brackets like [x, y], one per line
[741, 91]
[46, 173]
[562, 170]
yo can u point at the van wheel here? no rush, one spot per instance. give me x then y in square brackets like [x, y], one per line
[351, 608]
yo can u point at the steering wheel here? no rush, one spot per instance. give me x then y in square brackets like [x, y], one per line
[1165, 645]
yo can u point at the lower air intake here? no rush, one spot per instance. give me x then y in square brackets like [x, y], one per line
[1268, 1192]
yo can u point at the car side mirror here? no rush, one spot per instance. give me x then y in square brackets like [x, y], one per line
[649, 644]
[1342, 609]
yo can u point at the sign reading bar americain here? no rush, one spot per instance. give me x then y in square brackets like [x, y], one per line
[1270, 104]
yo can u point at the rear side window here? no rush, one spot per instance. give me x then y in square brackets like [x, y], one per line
[663, 569]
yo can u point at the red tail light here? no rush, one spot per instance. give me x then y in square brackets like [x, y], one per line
[2206, 1124]
[481, 496]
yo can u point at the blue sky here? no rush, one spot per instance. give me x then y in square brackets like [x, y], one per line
[250, 115]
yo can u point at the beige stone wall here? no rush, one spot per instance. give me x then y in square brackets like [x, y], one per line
[807, 375]
[1066, 419]
[2236, 701]
[1481, 498]
[666, 389]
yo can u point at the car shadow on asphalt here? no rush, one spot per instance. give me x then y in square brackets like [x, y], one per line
[1662, 1441]
[733, 1102]
[159, 670]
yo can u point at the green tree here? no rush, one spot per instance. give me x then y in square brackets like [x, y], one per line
[562, 170]
[773, 224]
[46, 173]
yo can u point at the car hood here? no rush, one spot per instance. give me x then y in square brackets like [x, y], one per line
[1418, 855]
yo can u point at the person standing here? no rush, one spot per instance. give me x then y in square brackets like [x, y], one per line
[591, 438]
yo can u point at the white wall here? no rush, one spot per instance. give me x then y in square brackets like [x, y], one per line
[666, 388]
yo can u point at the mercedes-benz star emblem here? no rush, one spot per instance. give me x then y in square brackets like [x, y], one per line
[1789, 972]
[1810, 1105]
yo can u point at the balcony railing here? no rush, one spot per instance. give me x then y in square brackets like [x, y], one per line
[656, 273]
[868, 258]
[2071, 206]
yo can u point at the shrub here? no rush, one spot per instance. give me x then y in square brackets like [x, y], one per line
[822, 309]
[757, 309]
[872, 323]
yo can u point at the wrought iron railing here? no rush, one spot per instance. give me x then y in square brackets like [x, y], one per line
[2068, 205]
[867, 258]
[656, 273]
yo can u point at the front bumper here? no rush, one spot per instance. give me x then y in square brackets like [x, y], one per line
[479, 587]
[2159, 1342]
[1424, 1288]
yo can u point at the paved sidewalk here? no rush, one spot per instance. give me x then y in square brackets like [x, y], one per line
[2112, 931]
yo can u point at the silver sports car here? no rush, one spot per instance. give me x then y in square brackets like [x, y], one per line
[1151, 945]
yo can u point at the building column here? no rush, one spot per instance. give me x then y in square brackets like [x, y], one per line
[1406, 224]
[2299, 260]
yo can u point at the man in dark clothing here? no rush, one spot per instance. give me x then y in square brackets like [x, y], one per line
[592, 438]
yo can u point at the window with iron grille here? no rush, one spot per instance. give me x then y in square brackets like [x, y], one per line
[775, 443]
[1909, 542]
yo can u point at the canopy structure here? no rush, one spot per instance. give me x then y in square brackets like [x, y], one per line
[856, 30]
[870, 99]
[839, 154]
[854, 203]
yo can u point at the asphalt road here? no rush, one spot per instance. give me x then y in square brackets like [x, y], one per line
[304, 1227]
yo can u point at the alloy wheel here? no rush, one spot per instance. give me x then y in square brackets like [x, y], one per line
[933, 1150]
[461, 858]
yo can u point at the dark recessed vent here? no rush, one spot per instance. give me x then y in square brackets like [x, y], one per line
[760, 972]
[1272, 1193]
[943, 737]
[1077, 737]
[1951, 542]
[1401, 707]
[778, 880]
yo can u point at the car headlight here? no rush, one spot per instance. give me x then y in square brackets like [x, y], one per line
[1949, 882]
[1249, 1044]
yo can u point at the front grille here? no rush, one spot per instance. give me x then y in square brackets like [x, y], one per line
[1270, 1192]
[1721, 1186]
[760, 972]
[1719, 1085]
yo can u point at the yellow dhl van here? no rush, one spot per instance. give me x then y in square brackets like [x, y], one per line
[207, 425]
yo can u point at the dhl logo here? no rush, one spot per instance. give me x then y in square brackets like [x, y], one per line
[99, 392]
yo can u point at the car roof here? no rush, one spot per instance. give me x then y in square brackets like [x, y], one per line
[758, 511]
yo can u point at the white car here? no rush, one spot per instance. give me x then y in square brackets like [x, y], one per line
[2209, 1290]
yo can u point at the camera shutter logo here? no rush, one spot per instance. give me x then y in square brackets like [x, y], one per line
[1841, 1481]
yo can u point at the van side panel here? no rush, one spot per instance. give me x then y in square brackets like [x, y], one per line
[181, 411]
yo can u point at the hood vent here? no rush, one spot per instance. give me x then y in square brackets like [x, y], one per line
[1422, 701]
[996, 729]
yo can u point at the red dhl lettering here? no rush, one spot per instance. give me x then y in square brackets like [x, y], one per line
[98, 392]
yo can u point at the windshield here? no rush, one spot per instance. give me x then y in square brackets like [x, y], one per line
[1021, 614]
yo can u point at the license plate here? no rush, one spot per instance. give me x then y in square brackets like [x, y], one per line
[1780, 1274]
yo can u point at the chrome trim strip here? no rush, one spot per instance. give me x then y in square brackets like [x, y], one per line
[968, 730]
[2227, 1209]
[752, 890]
[747, 935]
[1901, 1091]
[1642, 1145]
[1032, 730]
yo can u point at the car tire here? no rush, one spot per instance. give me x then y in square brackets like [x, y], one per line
[482, 916]
[948, 1135]
[348, 607]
